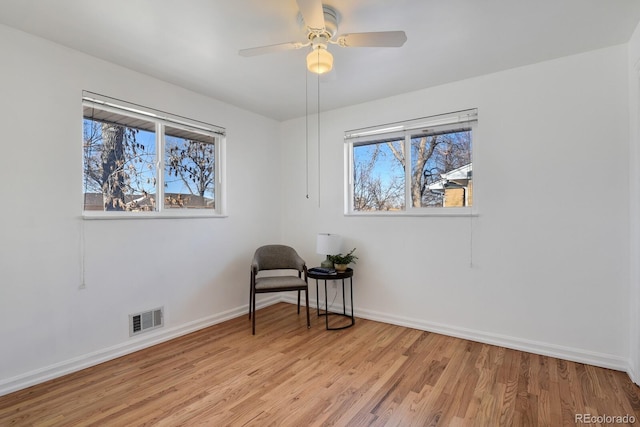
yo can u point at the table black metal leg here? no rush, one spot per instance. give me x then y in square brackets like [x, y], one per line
[326, 307]
[344, 302]
[341, 276]
[317, 300]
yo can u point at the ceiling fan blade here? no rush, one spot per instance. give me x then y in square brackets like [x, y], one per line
[375, 39]
[312, 13]
[253, 51]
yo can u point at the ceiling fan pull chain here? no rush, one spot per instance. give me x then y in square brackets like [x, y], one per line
[306, 126]
[319, 173]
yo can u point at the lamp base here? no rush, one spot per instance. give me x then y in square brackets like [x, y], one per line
[327, 263]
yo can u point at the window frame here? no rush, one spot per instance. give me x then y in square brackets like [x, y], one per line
[451, 122]
[161, 120]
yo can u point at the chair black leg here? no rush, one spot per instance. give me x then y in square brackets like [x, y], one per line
[253, 310]
[298, 301]
[306, 296]
[250, 294]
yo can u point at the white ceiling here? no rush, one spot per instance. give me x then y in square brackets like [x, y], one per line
[195, 43]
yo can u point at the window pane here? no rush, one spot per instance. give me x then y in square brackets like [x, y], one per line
[119, 167]
[189, 177]
[441, 170]
[378, 176]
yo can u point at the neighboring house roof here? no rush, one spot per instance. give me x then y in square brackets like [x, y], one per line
[95, 201]
[455, 176]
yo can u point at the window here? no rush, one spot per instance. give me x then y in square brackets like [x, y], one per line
[142, 162]
[420, 166]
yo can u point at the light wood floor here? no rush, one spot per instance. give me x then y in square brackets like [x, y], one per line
[288, 375]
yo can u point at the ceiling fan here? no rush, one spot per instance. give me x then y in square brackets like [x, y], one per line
[321, 22]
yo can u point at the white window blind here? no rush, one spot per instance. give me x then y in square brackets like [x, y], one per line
[103, 108]
[399, 130]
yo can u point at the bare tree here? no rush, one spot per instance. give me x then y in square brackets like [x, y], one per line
[113, 177]
[116, 165]
[431, 156]
[362, 182]
[192, 163]
[422, 152]
[371, 192]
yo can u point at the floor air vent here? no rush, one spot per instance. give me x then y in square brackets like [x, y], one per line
[146, 321]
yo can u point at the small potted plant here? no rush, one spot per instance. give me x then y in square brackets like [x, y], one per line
[341, 262]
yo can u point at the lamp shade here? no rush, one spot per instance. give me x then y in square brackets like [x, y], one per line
[319, 60]
[328, 244]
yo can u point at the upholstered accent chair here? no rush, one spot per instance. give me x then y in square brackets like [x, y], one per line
[277, 257]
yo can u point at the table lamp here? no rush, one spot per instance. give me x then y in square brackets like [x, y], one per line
[328, 244]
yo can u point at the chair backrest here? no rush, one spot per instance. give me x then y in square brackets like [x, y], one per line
[276, 257]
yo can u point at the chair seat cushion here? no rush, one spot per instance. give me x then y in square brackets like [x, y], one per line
[280, 282]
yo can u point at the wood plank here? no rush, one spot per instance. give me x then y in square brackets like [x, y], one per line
[371, 374]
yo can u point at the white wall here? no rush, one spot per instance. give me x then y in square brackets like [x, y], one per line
[634, 200]
[545, 265]
[196, 268]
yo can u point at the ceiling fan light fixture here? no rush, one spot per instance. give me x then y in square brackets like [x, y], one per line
[319, 60]
[321, 22]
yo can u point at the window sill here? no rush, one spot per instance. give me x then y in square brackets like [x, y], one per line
[437, 212]
[149, 215]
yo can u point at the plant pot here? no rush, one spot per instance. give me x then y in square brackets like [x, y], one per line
[341, 268]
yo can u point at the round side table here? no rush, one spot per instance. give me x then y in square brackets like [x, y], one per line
[342, 276]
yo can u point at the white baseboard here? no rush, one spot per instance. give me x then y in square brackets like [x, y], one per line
[562, 352]
[81, 362]
[633, 374]
[135, 344]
